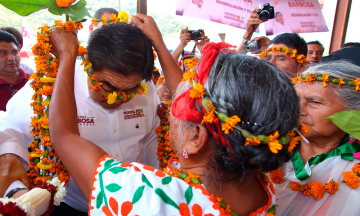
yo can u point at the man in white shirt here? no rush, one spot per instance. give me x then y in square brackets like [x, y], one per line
[279, 25]
[125, 129]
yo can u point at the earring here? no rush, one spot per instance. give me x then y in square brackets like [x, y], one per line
[185, 154]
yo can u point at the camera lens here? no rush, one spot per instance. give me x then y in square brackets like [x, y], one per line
[251, 46]
[264, 15]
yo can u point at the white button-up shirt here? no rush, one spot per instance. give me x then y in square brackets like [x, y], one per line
[126, 133]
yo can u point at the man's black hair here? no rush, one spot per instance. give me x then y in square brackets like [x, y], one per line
[350, 44]
[121, 48]
[316, 42]
[7, 37]
[14, 32]
[291, 40]
[101, 11]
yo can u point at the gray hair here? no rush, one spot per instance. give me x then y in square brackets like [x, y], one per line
[340, 69]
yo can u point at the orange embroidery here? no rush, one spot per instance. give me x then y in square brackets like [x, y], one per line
[184, 209]
[126, 208]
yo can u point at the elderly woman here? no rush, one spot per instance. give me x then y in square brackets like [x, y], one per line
[313, 182]
[223, 142]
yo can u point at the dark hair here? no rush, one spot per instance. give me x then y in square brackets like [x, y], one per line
[121, 48]
[14, 32]
[292, 40]
[350, 44]
[257, 92]
[156, 73]
[278, 13]
[316, 42]
[101, 11]
[7, 37]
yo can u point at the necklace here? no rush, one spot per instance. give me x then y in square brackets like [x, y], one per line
[218, 204]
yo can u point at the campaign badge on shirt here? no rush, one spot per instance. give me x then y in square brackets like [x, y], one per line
[86, 120]
[134, 114]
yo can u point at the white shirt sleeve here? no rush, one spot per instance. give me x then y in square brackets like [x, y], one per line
[15, 124]
[151, 142]
[15, 184]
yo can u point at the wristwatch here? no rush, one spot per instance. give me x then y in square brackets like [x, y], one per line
[13, 191]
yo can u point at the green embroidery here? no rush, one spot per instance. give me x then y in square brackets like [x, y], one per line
[99, 199]
[138, 194]
[188, 195]
[146, 181]
[107, 165]
[165, 198]
[116, 170]
[166, 180]
[113, 187]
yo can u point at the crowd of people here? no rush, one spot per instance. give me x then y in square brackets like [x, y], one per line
[250, 134]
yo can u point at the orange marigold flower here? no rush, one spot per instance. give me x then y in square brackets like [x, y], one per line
[331, 187]
[293, 53]
[93, 20]
[295, 80]
[208, 117]
[293, 142]
[114, 18]
[64, 3]
[81, 51]
[252, 141]
[277, 175]
[295, 186]
[104, 21]
[198, 91]
[317, 190]
[190, 75]
[341, 81]
[325, 78]
[310, 78]
[46, 90]
[230, 124]
[357, 82]
[304, 129]
[58, 24]
[356, 168]
[70, 26]
[305, 190]
[351, 179]
[160, 80]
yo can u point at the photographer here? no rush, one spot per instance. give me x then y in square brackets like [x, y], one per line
[185, 38]
[251, 25]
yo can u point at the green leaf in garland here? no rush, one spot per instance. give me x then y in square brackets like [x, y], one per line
[188, 195]
[113, 187]
[144, 179]
[166, 198]
[116, 170]
[25, 7]
[348, 121]
[77, 12]
[166, 180]
[108, 163]
[99, 199]
[138, 194]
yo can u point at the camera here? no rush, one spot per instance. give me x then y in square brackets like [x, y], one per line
[195, 34]
[252, 46]
[266, 13]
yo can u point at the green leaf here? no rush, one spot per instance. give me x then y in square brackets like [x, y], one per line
[166, 180]
[348, 121]
[138, 194]
[165, 198]
[25, 7]
[113, 187]
[188, 195]
[116, 170]
[144, 179]
[99, 199]
[108, 163]
[76, 12]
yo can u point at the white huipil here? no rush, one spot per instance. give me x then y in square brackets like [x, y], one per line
[126, 133]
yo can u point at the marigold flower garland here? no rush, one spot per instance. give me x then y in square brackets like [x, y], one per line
[274, 141]
[325, 78]
[293, 53]
[317, 189]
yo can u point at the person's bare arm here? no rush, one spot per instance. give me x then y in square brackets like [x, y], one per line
[172, 72]
[11, 169]
[79, 155]
[251, 25]
[185, 38]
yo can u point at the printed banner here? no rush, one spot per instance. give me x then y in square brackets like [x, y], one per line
[29, 39]
[230, 12]
[300, 16]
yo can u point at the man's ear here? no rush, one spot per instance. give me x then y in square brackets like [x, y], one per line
[91, 28]
[198, 140]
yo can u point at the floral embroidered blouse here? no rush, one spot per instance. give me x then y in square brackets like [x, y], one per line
[121, 188]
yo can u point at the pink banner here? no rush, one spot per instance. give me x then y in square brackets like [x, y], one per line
[230, 12]
[300, 16]
[29, 39]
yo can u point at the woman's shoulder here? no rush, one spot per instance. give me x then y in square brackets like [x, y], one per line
[120, 187]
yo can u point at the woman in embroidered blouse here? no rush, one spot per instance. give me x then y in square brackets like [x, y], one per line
[329, 152]
[229, 172]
